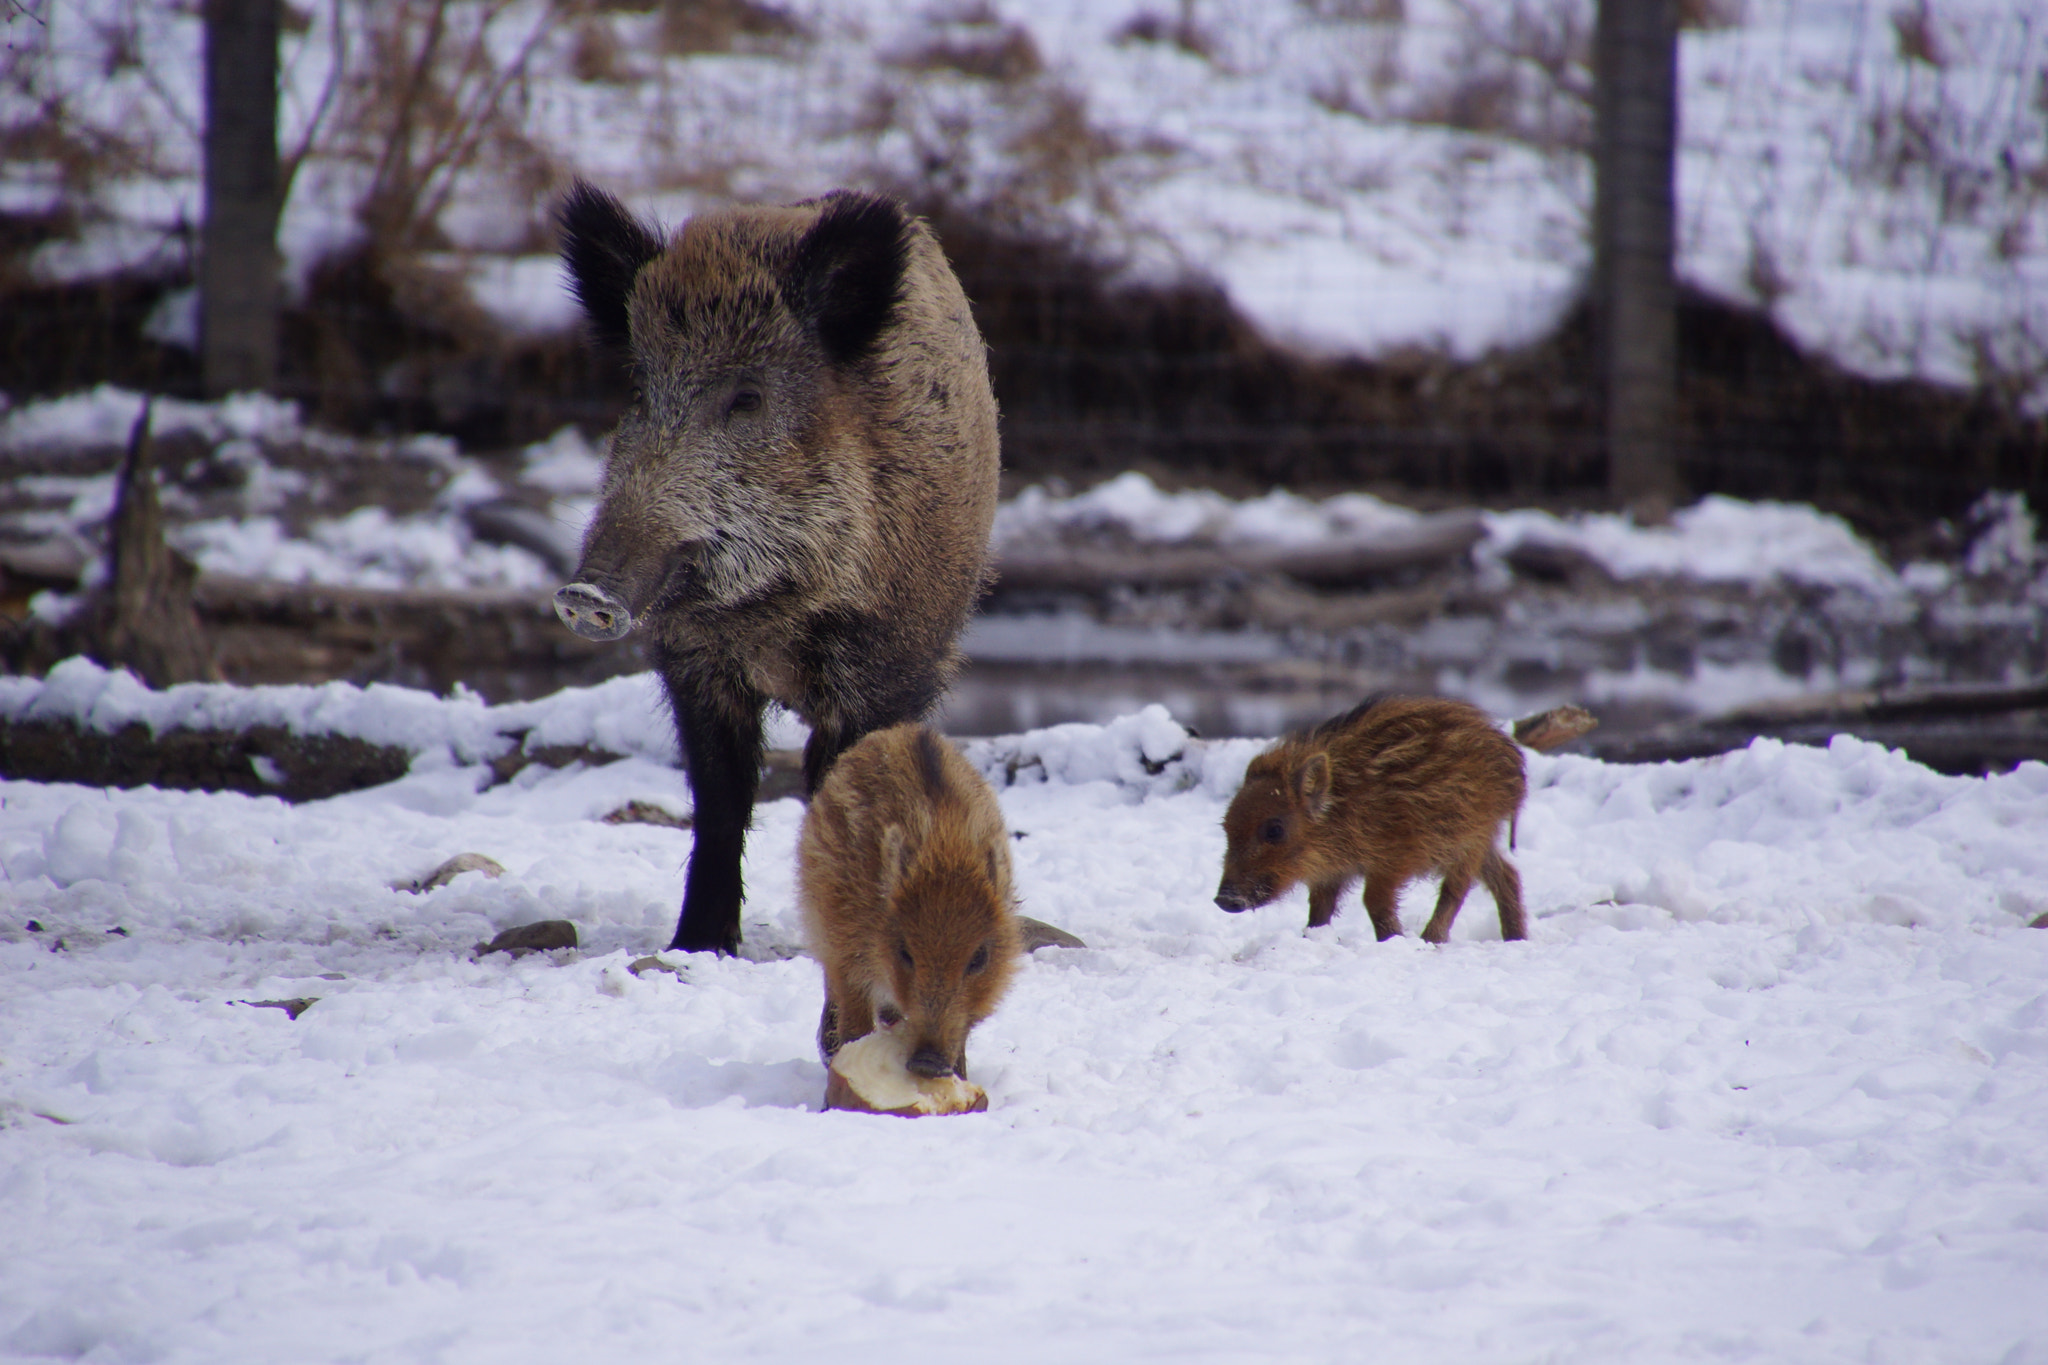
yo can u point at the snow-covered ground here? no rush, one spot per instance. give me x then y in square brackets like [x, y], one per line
[1767, 1083]
[1358, 175]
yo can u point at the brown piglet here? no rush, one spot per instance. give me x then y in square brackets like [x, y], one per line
[1389, 791]
[903, 874]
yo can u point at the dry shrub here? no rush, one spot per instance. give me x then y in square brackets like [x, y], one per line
[82, 154]
[1526, 75]
[1931, 146]
[1004, 53]
[429, 104]
[1059, 154]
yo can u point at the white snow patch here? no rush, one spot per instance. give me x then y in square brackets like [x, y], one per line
[1767, 1080]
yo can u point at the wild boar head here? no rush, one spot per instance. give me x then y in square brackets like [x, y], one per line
[954, 945]
[1271, 826]
[748, 336]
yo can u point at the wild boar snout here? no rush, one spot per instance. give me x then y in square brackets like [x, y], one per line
[1242, 895]
[930, 1063]
[592, 612]
[606, 606]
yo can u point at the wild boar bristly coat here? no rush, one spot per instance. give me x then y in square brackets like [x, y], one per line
[903, 875]
[1389, 791]
[796, 505]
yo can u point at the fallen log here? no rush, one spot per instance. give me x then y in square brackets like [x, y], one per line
[1960, 730]
[270, 760]
[1882, 704]
[269, 632]
[264, 760]
[1430, 543]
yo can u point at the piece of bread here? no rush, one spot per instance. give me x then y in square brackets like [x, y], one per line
[869, 1076]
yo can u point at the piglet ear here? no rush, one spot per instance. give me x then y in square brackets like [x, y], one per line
[604, 247]
[1312, 781]
[846, 278]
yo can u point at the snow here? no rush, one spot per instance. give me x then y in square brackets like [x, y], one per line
[92, 419]
[1766, 1082]
[368, 548]
[566, 462]
[1716, 540]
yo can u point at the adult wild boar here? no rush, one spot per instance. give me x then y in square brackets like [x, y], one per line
[796, 505]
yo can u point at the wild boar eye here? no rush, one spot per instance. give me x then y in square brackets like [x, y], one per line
[903, 955]
[746, 400]
[979, 962]
[639, 397]
[1273, 832]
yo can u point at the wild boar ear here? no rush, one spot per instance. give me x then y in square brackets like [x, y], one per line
[604, 247]
[1312, 781]
[847, 275]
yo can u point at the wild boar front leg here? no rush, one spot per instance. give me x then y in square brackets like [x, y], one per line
[1322, 901]
[720, 730]
[849, 1013]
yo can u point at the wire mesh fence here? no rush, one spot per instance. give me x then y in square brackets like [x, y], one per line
[1835, 159]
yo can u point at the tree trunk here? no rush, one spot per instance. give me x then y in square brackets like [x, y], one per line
[238, 288]
[1635, 71]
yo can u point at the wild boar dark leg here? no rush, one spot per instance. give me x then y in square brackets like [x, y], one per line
[1322, 902]
[720, 730]
[820, 752]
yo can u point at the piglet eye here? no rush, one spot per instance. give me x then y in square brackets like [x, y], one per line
[979, 961]
[903, 955]
[1273, 832]
[746, 400]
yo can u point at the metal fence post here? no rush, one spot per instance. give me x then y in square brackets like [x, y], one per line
[238, 285]
[1634, 293]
